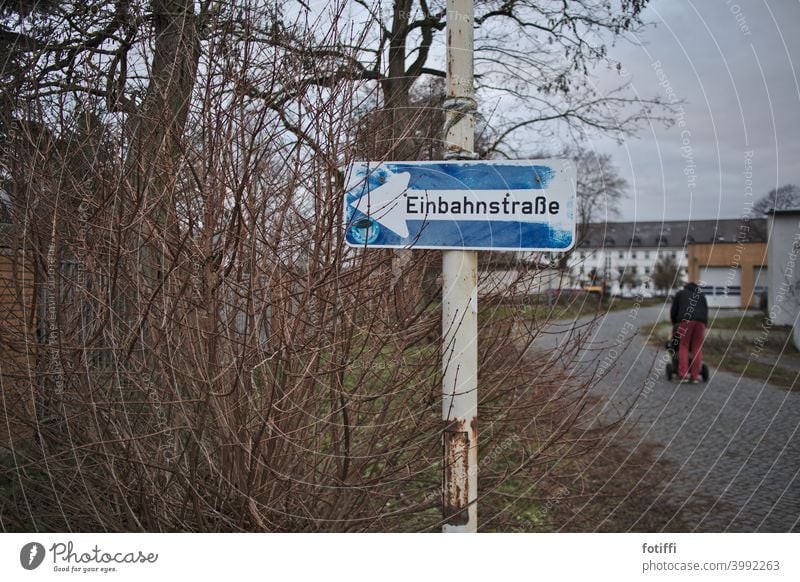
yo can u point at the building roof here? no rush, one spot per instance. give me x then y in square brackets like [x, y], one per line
[790, 210]
[673, 233]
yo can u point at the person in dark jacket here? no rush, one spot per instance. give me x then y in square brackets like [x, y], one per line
[689, 313]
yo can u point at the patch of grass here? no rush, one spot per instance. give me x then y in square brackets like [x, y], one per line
[731, 343]
[749, 322]
[727, 328]
[622, 303]
[749, 347]
[565, 307]
[622, 489]
[744, 365]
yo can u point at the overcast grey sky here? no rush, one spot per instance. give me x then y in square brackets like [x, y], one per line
[734, 64]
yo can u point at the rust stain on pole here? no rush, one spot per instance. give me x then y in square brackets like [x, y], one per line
[455, 480]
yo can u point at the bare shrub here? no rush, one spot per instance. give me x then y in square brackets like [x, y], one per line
[193, 347]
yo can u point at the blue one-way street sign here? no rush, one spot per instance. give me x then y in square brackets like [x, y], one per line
[489, 205]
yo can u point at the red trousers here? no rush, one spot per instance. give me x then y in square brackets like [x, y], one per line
[691, 335]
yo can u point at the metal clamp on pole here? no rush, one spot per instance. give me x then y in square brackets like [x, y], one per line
[456, 109]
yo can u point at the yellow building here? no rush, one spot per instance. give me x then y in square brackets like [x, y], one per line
[733, 273]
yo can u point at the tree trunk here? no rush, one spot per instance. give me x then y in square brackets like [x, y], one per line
[157, 130]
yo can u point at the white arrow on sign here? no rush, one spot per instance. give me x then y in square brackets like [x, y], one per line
[385, 203]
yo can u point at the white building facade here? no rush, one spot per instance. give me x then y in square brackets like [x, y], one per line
[623, 256]
[627, 271]
[784, 272]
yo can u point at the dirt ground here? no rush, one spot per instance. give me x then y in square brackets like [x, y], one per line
[619, 492]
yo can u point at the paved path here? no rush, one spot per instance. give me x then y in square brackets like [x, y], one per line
[733, 444]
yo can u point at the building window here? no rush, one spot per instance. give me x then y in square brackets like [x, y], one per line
[674, 255]
[647, 270]
[633, 254]
[622, 254]
[647, 254]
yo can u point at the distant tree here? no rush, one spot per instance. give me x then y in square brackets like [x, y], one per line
[665, 273]
[786, 196]
[600, 188]
[629, 278]
[537, 55]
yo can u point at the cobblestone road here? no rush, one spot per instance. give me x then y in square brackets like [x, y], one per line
[733, 443]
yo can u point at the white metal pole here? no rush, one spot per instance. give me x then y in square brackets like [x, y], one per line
[460, 296]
